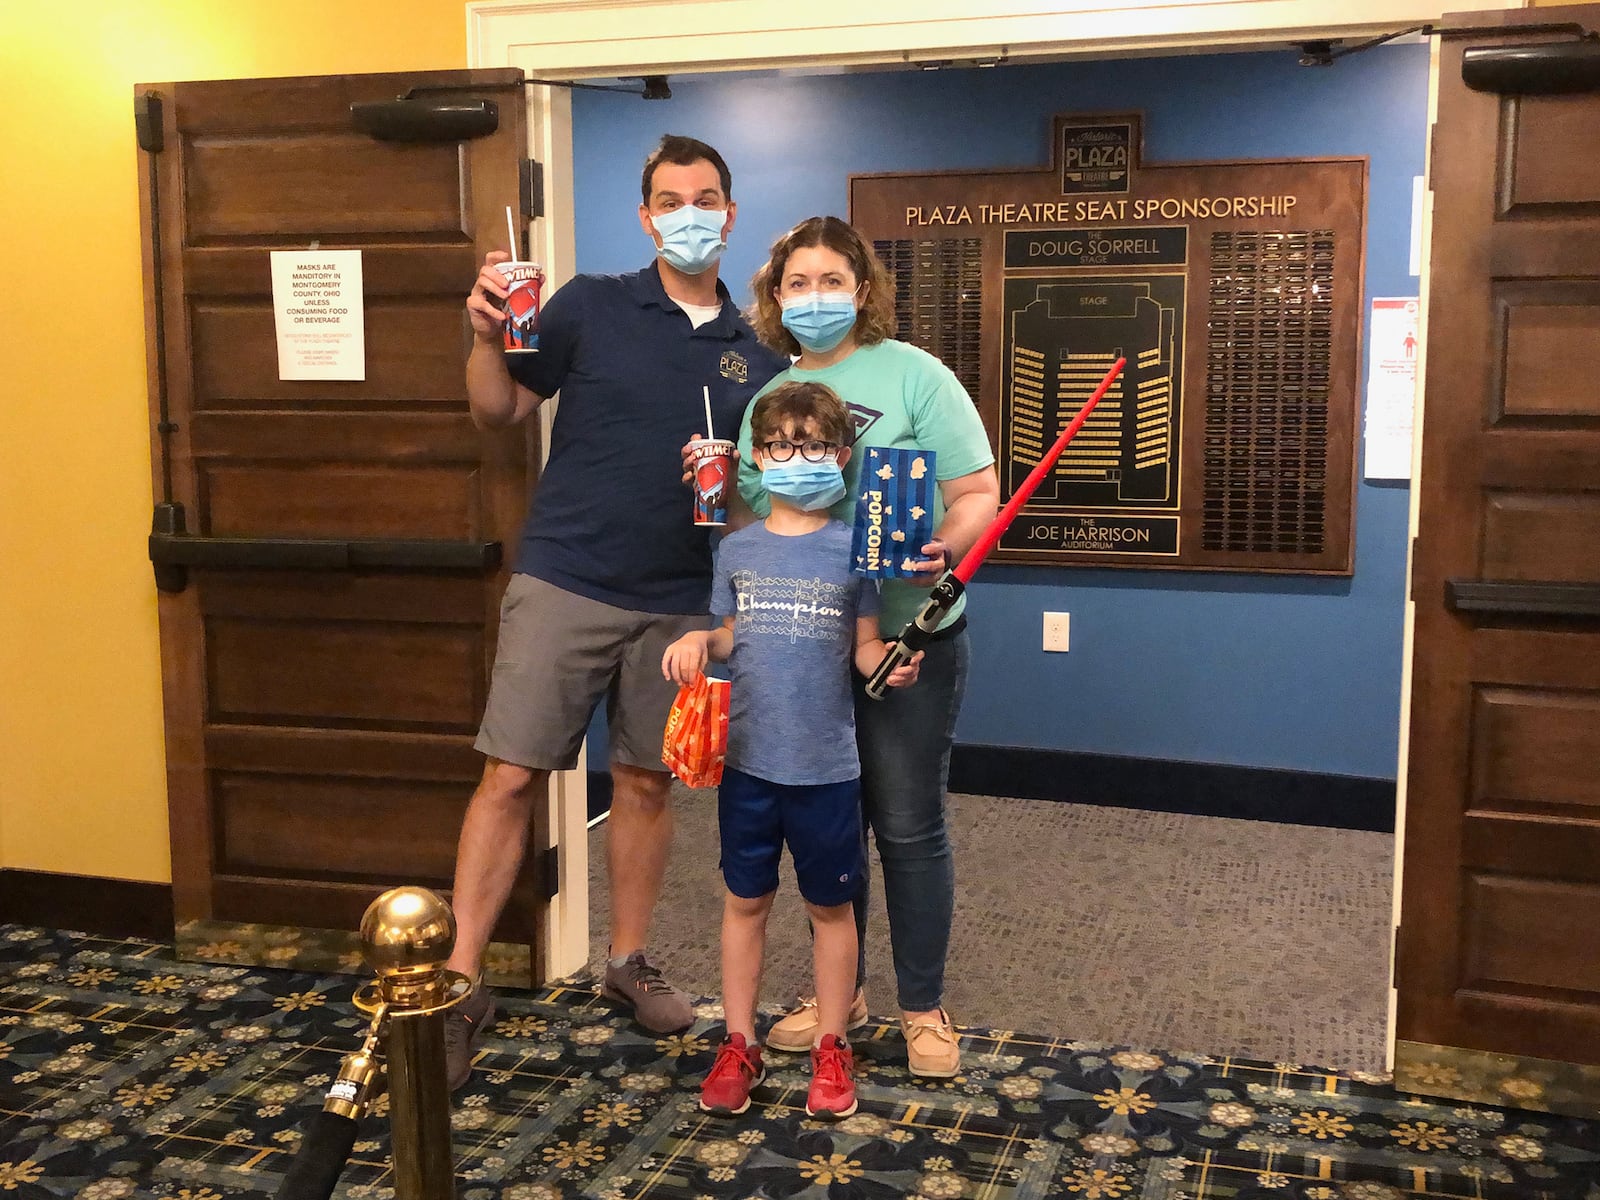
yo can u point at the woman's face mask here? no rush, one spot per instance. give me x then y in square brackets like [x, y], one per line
[819, 321]
[808, 486]
[691, 238]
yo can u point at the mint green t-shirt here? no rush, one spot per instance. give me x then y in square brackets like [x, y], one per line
[899, 397]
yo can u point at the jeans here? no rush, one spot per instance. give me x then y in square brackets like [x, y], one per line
[904, 741]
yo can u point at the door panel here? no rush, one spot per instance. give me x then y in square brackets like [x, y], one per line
[320, 715]
[1497, 976]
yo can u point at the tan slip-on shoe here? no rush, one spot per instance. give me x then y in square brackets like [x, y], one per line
[796, 1032]
[932, 1049]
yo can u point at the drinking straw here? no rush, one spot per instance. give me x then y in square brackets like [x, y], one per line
[511, 229]
[709, 435]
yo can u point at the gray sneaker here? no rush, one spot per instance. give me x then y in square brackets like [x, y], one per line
[656, 1004]
[464, 1027]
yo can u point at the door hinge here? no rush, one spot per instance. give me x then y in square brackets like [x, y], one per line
[550, 872]
[532, 188]
[147, 122]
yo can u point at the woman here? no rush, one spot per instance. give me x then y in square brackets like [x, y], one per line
[824, 296]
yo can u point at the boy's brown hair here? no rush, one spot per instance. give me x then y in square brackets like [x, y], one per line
[793, 405]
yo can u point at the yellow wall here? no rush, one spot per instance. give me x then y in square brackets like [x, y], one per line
[82, 788]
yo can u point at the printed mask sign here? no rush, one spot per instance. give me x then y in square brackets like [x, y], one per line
[317, 308]
[1233, 289]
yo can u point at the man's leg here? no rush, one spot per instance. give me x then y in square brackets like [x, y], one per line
[638, 840]
[639, 830]
[494, 836]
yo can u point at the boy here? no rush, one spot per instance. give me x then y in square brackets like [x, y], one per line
[794, 619]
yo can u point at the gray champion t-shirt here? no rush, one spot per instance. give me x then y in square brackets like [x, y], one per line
[794, 602]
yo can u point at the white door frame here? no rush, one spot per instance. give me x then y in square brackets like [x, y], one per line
[578, 39]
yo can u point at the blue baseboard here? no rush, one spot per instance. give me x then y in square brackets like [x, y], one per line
[1200, 789]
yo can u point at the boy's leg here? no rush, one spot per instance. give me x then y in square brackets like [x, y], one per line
[744, 942]
[833, 958]
[822, 824]
[749, 823]
[752, 840]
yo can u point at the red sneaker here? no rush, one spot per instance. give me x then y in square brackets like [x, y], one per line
[833, 1086]
[726, 1089]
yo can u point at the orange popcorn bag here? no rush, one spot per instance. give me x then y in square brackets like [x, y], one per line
[696, 737]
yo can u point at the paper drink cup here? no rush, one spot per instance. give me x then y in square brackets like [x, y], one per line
[524, 281]
[712, 463]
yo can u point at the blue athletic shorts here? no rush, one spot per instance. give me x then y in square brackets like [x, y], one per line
[821, 822]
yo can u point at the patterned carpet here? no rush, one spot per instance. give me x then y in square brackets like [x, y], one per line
[124, 1073]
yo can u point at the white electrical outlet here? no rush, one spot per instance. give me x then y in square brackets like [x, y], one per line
[1056, 625]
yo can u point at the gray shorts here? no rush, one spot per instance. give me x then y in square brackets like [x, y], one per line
[558, 654]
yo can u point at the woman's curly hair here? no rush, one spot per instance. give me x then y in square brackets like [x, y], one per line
[874, 322]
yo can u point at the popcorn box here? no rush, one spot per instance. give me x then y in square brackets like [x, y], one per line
[894, 511]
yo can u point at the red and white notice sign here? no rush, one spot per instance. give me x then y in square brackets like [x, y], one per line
[1392, 353]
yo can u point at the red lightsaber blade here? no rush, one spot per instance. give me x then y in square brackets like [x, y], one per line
[952, 585]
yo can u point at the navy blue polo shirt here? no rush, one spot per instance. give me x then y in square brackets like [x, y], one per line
[611, 518]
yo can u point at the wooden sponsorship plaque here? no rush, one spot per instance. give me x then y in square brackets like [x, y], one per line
[1234, 291]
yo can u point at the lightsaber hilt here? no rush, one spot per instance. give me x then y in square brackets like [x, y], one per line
[918, 632]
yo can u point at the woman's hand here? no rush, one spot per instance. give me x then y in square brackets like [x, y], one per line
[935, 561]
[485, 303]
[686, 658]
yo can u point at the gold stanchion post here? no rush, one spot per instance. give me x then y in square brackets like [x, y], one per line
[406, 937]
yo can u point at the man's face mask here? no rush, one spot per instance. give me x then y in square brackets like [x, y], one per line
[691, 238]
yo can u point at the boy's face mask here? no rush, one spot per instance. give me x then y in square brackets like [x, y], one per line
[808, 486]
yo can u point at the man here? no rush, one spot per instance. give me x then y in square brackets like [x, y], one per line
[610, 569]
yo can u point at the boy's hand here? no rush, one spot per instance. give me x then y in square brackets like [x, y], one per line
[906, 674]
[686, 658]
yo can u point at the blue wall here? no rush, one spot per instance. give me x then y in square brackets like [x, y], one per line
[1269, 671]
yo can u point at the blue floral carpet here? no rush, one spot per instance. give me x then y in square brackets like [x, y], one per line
[125, 1073]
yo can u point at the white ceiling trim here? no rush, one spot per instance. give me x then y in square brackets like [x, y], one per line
[608, 38]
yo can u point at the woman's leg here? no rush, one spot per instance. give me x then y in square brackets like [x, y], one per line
[905, 765]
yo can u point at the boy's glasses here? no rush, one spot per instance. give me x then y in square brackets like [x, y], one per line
[782, 451]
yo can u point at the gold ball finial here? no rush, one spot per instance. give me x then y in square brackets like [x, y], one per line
[407, 932]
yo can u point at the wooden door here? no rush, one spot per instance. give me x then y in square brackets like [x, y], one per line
[331, 583]
[1498, 960]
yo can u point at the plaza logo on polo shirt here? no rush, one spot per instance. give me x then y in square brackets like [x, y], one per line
[735, 366]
